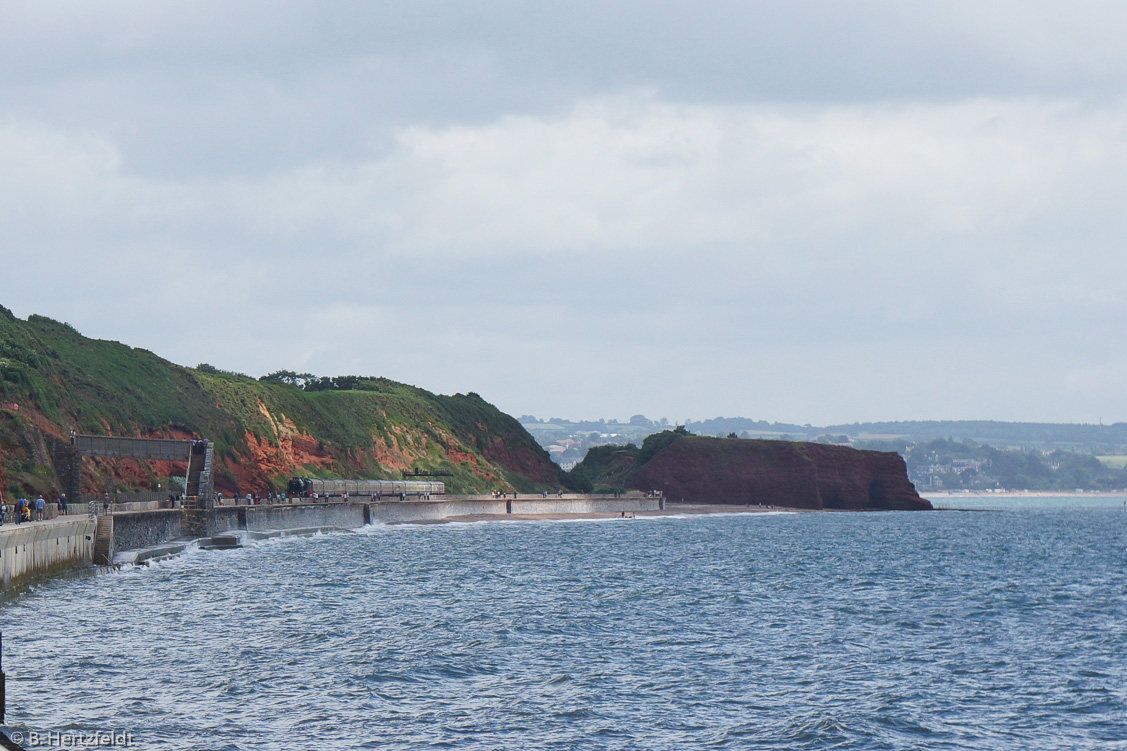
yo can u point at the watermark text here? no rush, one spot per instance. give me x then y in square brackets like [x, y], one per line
[74, 738]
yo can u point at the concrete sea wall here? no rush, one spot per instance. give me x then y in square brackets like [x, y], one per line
[147, 528]
[343, 515]
[38, 548]
[412, 511]
[583, 505]
[66, 542]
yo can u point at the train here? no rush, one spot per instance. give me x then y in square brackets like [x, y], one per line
[307, 486]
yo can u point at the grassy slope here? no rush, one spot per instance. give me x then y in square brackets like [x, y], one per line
[263, 432]
[604, 469]
[609, 468]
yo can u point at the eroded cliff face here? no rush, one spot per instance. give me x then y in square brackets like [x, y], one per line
[783, 473]
[266, 460]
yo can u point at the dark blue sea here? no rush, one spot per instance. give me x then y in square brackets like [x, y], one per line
[999, 629]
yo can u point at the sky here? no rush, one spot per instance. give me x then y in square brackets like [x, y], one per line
[811, 212]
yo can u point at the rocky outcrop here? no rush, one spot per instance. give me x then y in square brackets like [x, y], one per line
[781, 473]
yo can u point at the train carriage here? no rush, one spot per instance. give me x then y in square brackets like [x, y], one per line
[307, 486]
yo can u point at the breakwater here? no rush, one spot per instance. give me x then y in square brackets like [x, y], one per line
[42, 548]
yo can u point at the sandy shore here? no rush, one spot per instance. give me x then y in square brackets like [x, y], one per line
[670, 510]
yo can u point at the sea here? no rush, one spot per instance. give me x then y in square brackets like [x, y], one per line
[998, 625]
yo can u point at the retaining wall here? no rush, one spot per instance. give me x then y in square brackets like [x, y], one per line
[38, 548]
[142, 529]
[227, 519]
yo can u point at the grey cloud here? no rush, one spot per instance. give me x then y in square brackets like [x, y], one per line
[800, 211]
[211, 88]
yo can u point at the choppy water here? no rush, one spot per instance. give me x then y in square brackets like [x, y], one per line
[947, 630]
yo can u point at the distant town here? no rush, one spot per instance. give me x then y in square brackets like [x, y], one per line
[941, 455]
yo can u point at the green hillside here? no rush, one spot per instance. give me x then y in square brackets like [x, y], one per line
[53, 381]
[608, 469]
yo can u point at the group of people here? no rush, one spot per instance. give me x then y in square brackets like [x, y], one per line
[254, 499]
[28, 511]
[543, 493]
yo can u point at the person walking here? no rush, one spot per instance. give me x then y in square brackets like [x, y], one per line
[63, 504]
[40, 509]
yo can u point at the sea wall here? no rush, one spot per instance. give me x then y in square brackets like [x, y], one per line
[142, 529]
[343, 515]
[38, 548]
[410, 511]
[359, 512]
[46, 547]
[584, 505]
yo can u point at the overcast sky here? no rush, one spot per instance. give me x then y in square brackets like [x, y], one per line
[799, 211]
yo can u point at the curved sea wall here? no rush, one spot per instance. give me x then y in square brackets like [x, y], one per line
[37, 548]
[143, 529]
[798, 475]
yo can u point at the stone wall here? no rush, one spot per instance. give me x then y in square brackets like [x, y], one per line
[142, 529]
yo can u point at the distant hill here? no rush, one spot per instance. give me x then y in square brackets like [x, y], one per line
[1081, 437]
[1003, 434]
[53, 381]
[941, 454]
[1042, 434]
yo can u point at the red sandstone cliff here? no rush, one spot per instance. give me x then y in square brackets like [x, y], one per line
[800, 475]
